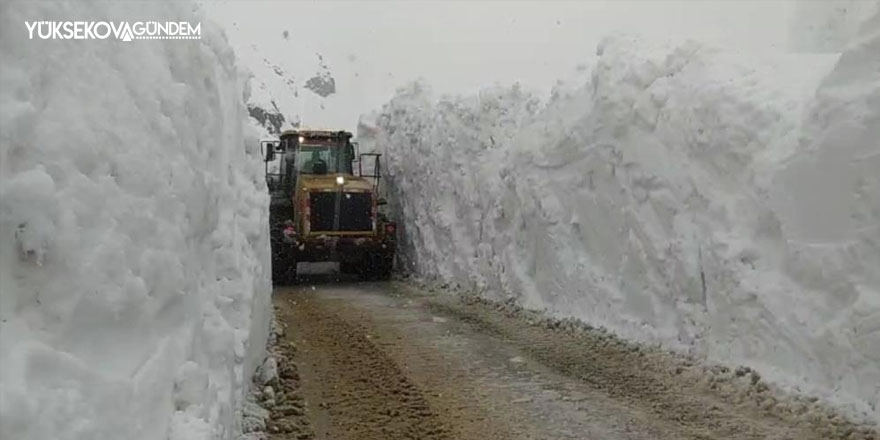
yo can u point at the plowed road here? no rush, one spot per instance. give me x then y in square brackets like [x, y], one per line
[386, 361]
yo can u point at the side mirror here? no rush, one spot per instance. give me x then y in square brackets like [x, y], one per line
[351, 151]
[270, 152]
[381, 201]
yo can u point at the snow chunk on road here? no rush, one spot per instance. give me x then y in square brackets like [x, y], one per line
[133, 239]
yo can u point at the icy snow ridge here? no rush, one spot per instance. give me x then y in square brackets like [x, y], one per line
[133, 238]
[710, 202]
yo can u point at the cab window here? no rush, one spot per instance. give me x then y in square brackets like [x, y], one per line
[322, 159]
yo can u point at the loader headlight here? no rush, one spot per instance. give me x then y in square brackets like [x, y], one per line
[340, 180]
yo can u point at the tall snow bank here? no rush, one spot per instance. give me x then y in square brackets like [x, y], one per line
[710, 202]
[828, 26]
[134, 293]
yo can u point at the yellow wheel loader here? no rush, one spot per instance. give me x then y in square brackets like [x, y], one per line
[323, 208]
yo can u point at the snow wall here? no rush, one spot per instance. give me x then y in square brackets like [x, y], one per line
[134, 252]
[714, 203]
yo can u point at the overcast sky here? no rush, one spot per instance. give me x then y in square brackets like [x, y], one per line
[373, 47]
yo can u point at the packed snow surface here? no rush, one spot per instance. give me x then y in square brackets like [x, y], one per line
[133, 242]
[715, 203]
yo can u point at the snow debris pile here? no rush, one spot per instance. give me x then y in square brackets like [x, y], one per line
[134, 249]
[714, 203]
[276, 405]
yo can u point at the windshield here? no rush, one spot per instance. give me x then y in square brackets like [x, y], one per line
[322, 159]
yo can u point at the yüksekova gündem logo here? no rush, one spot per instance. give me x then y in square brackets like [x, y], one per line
[122, 30]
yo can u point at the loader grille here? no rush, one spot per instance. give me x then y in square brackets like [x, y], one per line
[355, 211]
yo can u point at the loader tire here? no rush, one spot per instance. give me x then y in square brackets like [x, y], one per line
[377, 267]
[347, 267]
[283, 273]
[283, 266]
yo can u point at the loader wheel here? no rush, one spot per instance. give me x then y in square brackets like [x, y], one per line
[346, 267]
[290, 274]
[377, 267]
[281, 258]
[283, 271]
[277, 273]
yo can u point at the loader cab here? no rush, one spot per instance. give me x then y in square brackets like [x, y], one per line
[320, 157]
[307, 152]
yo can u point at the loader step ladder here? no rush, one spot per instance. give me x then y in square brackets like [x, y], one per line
[376, 173]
